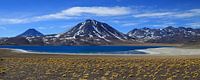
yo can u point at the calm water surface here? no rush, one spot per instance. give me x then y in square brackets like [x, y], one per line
[84, 49]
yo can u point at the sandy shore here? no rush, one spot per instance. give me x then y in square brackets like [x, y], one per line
[171, 51]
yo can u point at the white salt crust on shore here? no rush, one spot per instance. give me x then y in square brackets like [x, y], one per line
[171, 51]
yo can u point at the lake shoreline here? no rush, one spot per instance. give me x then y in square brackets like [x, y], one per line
[81, 50]
[163, 51]
[78, 54]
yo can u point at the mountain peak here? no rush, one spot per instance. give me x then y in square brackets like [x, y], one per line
[95, 30]
[146, 28]
[88, 20]
[91, 22]
[31, 29]
[30, 33]
[170, 27]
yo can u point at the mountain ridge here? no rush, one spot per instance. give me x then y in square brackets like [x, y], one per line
[92, 32]
[166, 35]
[89, 32]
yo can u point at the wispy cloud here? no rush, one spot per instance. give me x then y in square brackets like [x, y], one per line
[155, 14]
[168, 14]
[71, 13]
[125, 15]
[78, 11]
[28, 20]
[189, 13]
[99, 11]
[12, 21]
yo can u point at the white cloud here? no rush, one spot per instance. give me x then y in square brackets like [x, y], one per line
[12, 21]
[187, 14]
[195, 10]
[99, 11]
[175, 14]
[184, 15]
[75, 12]
[71, 13]
[156, 14]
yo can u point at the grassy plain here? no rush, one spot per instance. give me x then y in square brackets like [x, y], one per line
[27, 66]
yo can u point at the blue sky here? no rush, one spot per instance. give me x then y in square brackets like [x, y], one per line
[57, 16]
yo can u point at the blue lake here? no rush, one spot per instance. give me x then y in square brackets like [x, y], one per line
[84, 49]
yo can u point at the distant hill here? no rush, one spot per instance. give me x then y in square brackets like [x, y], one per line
[166, 35]
[30, 33]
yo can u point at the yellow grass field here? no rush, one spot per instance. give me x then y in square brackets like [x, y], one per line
[22, 66]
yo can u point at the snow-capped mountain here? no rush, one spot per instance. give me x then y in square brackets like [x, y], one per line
[89, 32]
[166, 35]
[30, 33]
[92, 32]
[95, 31]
